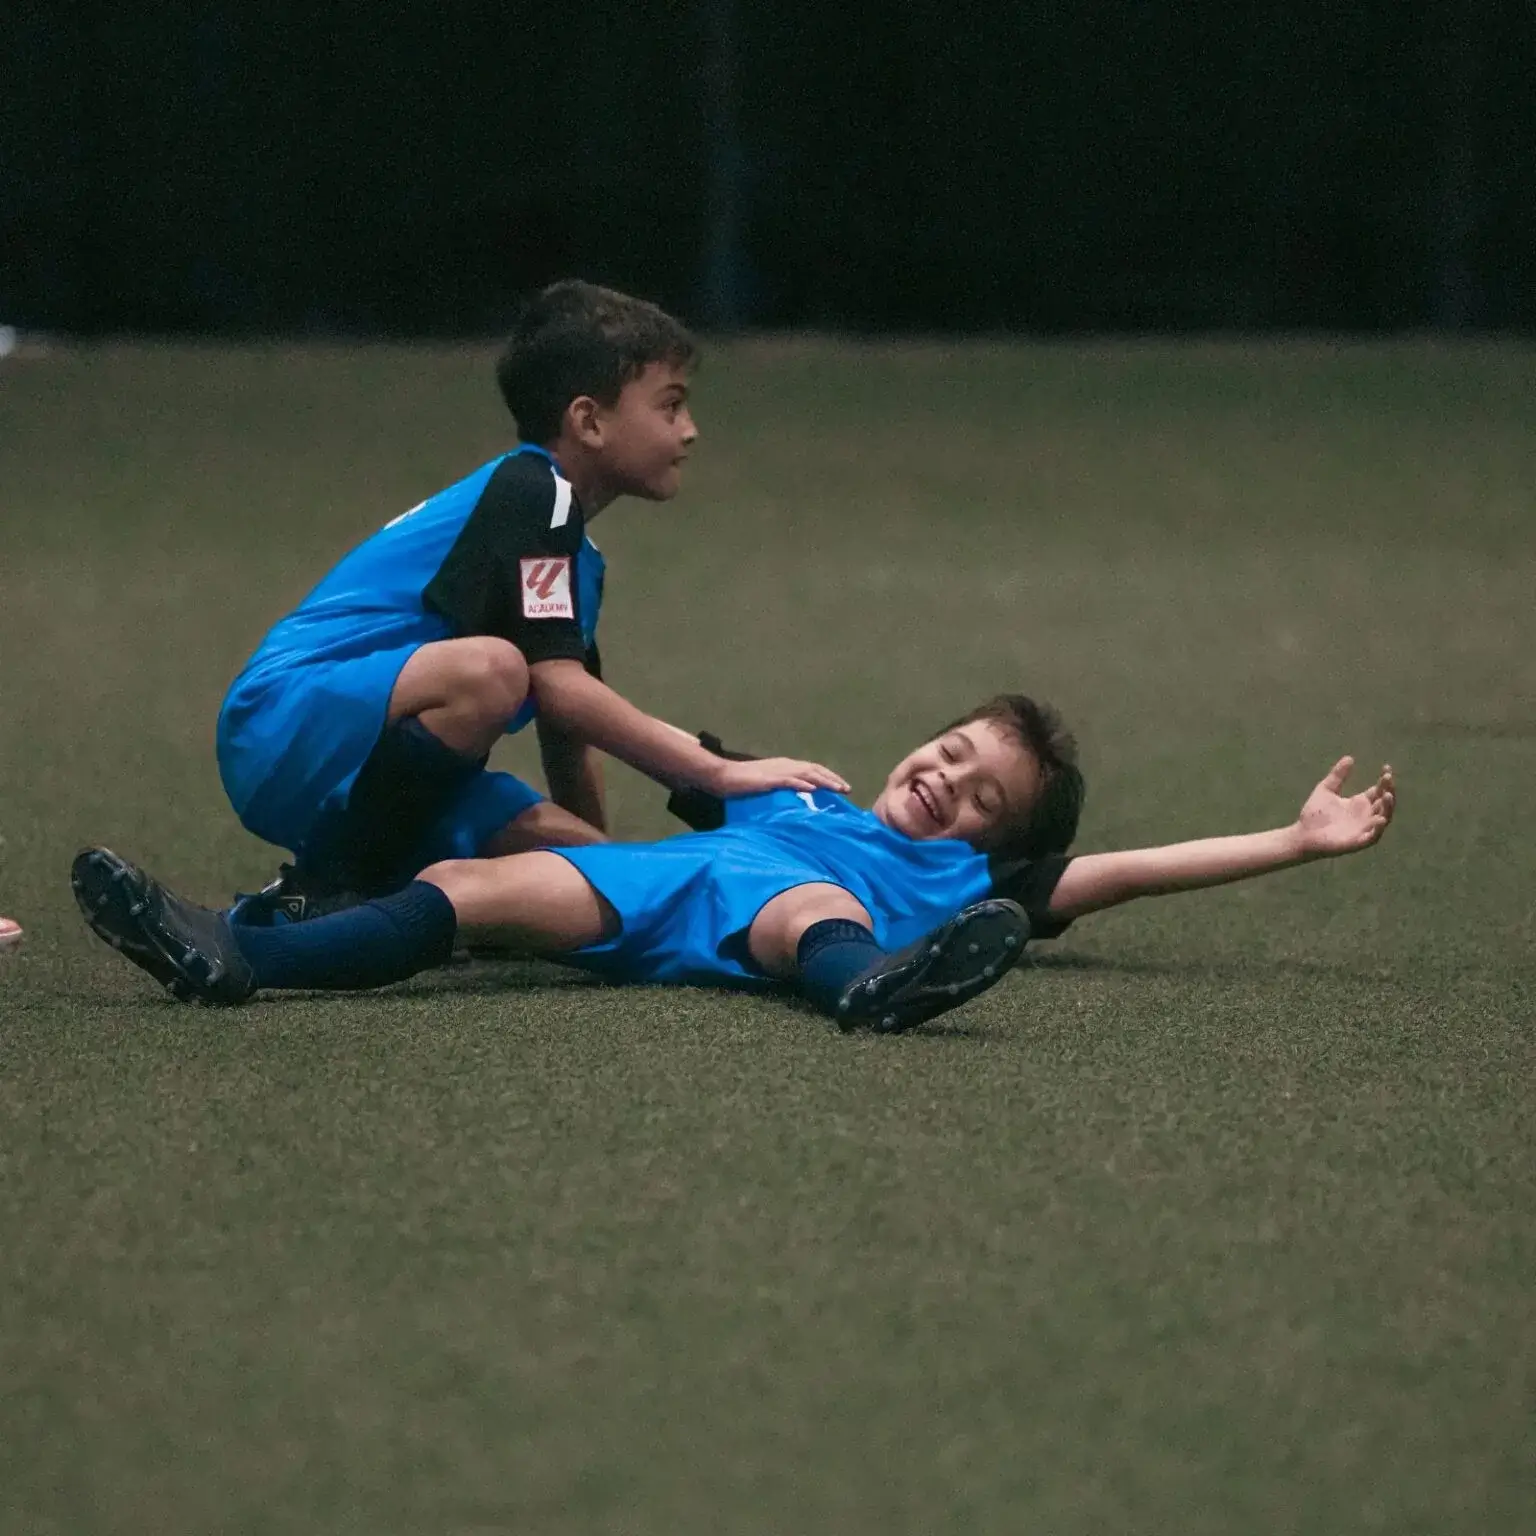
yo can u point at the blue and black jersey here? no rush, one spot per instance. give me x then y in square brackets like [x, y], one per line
[504, 552]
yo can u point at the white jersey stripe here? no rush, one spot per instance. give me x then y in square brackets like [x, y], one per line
[562, 502]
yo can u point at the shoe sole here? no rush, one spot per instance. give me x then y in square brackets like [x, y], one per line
[113, 899]
[967, 956]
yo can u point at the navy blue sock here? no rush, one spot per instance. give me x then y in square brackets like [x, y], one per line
[830, 954]
[409, 778]
[365, 946]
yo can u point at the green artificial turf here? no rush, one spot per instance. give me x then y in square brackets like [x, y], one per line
[1222, 1218]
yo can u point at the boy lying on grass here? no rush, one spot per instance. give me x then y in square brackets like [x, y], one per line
[883, 917]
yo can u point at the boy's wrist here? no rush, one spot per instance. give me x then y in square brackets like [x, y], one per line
[1298, 849]
[715, 778]
[715, 775]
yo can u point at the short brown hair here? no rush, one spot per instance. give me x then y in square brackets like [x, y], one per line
[578, 339]
[1051, 824]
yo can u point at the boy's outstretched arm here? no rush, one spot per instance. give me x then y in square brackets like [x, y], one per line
[583, 707]
[1330, 824]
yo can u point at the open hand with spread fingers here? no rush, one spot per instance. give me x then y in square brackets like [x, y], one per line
[1332, 822]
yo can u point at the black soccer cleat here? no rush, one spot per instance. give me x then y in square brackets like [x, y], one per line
[296, 896]
[189, 950]
[948, 967]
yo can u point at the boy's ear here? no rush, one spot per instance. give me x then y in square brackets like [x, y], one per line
[585, 417]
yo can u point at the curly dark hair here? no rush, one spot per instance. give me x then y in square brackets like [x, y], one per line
[1051, 824]
[576, 339]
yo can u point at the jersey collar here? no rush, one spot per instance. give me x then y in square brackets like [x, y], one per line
[542, 453]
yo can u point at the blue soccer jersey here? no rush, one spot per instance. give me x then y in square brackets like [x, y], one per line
[686, 904]
[503, 552]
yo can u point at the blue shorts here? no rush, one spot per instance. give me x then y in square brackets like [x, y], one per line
[292, 739]
[686, 905]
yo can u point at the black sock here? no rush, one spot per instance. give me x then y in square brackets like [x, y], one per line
[405, 785]
[830, 954]
[365, 946]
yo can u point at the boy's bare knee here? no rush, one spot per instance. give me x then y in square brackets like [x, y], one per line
[462, 881]
[465, 691]
[774, 939]
[494, 675]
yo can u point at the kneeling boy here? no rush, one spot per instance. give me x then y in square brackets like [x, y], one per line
[357, 735]
[884, 917]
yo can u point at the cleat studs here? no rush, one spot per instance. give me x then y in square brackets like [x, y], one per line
[1011, 942]
[989, 971]
[888, 1022]
[870, 988]
[953, 989]
[975, 949]
[935, 951]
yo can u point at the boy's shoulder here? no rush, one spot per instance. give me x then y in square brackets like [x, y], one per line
[519, 505]
[526, 491]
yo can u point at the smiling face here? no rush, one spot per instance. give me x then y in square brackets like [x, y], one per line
[643, 438]
[975, 781]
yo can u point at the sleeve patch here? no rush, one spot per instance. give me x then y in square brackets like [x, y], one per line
[546, 588]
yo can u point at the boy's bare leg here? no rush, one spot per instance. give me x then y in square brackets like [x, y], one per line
[463, 691]
[537, 902]
[545, 825]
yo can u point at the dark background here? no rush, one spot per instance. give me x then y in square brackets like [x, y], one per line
[1356, 164]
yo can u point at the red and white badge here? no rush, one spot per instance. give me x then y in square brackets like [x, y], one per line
[546, 585]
